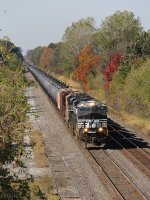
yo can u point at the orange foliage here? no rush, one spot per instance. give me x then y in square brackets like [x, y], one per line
[47, 57]
[87, 60]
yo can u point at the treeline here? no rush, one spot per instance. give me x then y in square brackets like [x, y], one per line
[13, 108]
[112, 60]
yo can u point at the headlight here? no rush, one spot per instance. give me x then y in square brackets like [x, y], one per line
[100, 129]
[92, 104]
[85, 130]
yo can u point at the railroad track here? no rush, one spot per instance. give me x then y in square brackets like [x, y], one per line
[137, 154]
[134, 141]
[121, 182]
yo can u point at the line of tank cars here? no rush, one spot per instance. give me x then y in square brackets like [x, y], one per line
[86, 117]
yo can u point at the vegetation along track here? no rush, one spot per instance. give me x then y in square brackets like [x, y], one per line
[120, 181]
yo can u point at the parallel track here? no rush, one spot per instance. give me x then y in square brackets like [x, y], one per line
[137, 154]
[133, 140]
[120, 181]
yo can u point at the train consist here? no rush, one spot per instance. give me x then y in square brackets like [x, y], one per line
[86, 117]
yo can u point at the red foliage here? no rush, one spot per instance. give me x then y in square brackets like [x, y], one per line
[47, 57]
[86, 60]
[111, 68]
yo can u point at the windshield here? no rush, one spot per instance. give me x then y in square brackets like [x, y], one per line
[92, 112]
[92, 116]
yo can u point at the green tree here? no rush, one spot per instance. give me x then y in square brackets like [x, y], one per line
[75, 38]
[137, 90]
[117, 32]
[10, 54]
[52, 45]
[36, 54]
[141, 46]
[13, 108]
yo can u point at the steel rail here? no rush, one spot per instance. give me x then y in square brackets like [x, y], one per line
[125, 187]
[141, 156]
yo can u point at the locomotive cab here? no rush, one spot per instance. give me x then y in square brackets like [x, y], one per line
[92, 122]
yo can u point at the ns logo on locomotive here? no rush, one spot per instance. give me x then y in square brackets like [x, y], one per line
[86, 117]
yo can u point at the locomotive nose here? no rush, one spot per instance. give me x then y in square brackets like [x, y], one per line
[91, 124]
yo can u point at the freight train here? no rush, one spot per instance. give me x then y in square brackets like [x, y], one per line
[84, 115]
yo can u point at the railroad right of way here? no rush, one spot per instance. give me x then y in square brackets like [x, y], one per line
[77, 176]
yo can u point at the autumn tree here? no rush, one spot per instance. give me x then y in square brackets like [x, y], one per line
[47, 58]
[86, 61]
[111, 68]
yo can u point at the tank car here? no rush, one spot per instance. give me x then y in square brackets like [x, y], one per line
[84, 115]
[49, 84]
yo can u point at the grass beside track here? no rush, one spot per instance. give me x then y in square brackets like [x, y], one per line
[44, 183]
[140, 125]
[39, 150]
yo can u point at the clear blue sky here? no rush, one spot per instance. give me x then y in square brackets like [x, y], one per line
[30, 23]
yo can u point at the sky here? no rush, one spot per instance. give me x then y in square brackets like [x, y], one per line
[32, 23]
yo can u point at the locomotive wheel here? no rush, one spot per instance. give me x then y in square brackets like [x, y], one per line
[79, 134]
[86, 145]
[73, 132]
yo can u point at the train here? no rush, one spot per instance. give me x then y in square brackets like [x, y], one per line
[83, 114]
